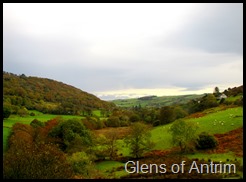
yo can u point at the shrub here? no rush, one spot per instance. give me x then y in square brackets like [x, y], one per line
[113, 121]
[206, 141]
[6, 112]
[72, 129]
[32, 114]
[36, 123]
[81, 163]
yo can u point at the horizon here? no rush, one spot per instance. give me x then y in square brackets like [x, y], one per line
[122, 96]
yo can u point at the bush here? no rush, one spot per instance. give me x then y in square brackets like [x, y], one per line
[72, 129]
[36, 123]
[81, 163]
[6, 112]
[32, 114]
[206, 141]
[113, 121]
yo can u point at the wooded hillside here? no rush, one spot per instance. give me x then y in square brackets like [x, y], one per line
[47, 96]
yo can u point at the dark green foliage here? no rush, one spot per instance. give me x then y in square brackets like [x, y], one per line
[36, 123]
[32, 114]
[167, 115]
[72, 132]
[206, 141]
[6, 112]
[134, 118]
[207, 101]
[113, 121]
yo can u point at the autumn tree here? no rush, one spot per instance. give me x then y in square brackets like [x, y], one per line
[28, 159]
[138, 139]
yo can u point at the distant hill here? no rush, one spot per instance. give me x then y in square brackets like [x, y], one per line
[154, 101]
[48, 96]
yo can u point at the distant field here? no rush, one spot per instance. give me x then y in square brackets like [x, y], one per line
[28, 119]
[155, 101]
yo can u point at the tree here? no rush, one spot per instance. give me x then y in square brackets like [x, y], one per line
[183, 134]
[139, 139]
[216, 91]
[73, 133]
[81, 164]
[6, 112]
[28, 159]
[167, 115]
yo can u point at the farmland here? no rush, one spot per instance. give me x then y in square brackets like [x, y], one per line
[155, 101]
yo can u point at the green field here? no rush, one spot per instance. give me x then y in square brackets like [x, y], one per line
[155, 101]
[108, 169]
[231, 118]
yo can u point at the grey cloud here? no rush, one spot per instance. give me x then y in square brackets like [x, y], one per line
[216, 28]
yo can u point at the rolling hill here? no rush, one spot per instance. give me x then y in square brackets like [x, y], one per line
[47, 96]
[154, 101]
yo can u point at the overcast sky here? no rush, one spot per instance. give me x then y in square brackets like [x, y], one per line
[127, 50]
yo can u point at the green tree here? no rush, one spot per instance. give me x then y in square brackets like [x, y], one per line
[72, 132]
[113, 121]
[138, 139]
[81, 164]
[167, 115]
[184, 134]
[6, 112]
[216, 91]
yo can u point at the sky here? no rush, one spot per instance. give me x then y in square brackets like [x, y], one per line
[117, 51]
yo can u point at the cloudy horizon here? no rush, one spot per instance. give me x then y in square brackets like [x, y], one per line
[127, 50]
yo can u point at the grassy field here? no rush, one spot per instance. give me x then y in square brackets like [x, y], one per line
[155, 101]
[108, 168]
[213, 123]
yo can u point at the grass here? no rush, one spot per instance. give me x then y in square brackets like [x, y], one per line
[107, 168]
[220, 121]
[231, 118]
[216, 157]
[39, 116]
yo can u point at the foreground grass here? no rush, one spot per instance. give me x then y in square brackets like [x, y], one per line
[108, 169]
